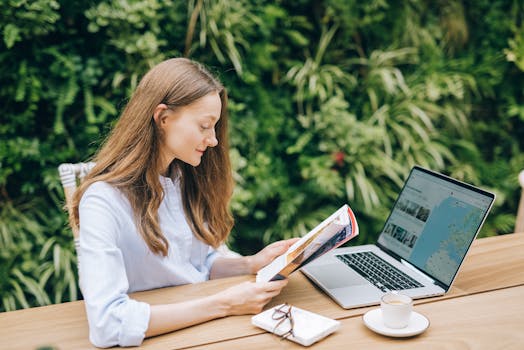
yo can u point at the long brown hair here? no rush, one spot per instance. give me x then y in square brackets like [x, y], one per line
[130, 158]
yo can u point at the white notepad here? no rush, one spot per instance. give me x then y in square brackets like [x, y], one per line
[308, 328]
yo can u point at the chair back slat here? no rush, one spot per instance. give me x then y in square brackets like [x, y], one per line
[70, 176]
[519, 224]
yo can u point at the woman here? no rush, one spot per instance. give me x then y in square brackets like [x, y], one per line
[155, 207]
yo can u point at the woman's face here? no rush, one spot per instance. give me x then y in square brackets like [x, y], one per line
[190, 130]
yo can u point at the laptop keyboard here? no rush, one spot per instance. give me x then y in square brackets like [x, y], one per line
[379, 272]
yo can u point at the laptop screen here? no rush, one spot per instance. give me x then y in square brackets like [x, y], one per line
[434, 221]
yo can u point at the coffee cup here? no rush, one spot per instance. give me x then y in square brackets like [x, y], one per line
[396, 309]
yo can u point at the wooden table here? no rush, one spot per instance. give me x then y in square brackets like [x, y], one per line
[483, 310]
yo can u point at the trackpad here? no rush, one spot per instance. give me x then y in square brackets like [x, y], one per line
[332, 276]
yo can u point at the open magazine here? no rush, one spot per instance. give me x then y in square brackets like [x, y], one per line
[336, 230]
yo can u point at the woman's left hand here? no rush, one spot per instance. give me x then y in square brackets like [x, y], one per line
[270, 253]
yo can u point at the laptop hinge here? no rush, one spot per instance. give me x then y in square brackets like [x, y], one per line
[417, 271]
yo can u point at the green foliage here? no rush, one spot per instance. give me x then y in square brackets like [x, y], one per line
[23, 19]
[331, 101]
[225, 26]
[35, 269]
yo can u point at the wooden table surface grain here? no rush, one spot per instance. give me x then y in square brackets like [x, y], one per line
[486, 320]
[491, 282]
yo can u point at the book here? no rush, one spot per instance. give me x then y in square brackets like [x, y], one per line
[306, 328]
[334, 231]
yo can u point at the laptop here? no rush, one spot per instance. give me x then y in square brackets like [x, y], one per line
[420, 249]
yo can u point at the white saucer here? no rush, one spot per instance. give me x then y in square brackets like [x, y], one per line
[417, 324]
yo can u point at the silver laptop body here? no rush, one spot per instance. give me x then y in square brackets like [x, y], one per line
[426, 238]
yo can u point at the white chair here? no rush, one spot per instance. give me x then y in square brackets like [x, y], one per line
[72, 174]
[519, 223]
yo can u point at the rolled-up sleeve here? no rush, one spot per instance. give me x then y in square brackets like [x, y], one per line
[114, 318]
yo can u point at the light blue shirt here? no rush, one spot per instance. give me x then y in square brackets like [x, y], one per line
[114, 260]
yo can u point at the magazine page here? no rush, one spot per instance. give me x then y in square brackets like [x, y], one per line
[337, 229]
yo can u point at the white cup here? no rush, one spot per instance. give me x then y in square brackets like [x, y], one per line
[396, 309]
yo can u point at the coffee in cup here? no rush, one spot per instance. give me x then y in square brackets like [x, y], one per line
[396, 309]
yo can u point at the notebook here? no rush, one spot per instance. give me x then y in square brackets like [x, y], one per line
[298, 325]
[420, 249]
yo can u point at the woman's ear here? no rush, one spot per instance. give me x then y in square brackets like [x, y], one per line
[159, 115]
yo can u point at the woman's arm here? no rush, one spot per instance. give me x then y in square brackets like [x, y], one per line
[114, 318]
[244, 298]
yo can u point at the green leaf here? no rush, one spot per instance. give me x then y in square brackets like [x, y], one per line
[11, 35]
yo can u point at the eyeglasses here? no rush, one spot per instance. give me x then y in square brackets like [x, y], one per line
[283, 313]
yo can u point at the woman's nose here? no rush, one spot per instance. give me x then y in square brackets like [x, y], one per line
[212, 141]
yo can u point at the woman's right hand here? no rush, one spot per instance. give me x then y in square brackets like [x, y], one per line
[249, 297]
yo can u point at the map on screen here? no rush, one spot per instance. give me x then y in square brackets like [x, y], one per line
[445, 238]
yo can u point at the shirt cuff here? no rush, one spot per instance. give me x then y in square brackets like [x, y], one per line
[135, 323]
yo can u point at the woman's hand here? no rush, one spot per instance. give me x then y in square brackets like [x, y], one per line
[226, 267]
[269, 253]
[244, 298]
[248, 297]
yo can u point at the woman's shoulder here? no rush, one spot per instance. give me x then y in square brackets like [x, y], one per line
[104, 190]
[102, 187]
[102, 196]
